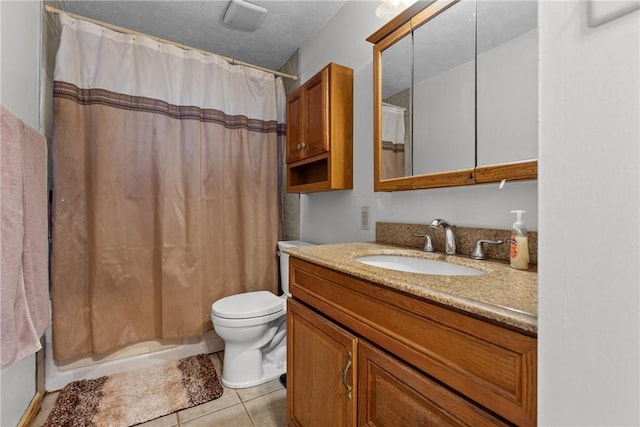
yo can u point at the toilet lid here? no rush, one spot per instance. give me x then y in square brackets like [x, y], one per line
[246, 305]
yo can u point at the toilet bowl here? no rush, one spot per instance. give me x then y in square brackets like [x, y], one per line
[253, 327]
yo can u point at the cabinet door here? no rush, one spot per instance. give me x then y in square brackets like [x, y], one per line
[294, 125]
[317, 118]
[321, 370]
[391, 393]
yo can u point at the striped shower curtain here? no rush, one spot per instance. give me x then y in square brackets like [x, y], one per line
[165, 193]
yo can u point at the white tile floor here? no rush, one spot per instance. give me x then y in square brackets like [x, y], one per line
[261, 406]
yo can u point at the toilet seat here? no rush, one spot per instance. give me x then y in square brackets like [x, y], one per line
[244, 323]
[248, 305]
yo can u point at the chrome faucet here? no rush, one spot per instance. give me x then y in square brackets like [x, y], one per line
[428, 243]
[449, 236]
[478, 251]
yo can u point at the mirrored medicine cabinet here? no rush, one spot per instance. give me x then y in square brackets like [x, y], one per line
[456, 94]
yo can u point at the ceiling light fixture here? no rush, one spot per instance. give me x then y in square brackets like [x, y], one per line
[244, 16]
[387, 9]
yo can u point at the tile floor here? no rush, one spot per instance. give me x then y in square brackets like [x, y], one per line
[261, 406]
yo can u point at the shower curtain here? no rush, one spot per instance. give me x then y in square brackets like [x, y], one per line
[165, 194]
[393, 141]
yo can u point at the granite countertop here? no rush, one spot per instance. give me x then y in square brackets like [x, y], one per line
[503, 294]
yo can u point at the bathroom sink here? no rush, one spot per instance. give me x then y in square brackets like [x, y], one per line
[418, 265]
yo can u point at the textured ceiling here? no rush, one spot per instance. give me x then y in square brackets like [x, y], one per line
[287, 26]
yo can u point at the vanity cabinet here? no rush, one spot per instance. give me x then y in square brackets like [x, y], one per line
[416, 362]
[392, 393]
[321, 371]
[320, 132]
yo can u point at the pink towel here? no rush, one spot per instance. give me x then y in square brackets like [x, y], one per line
[24, 289]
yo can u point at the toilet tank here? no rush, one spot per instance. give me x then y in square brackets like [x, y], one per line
[284, 262]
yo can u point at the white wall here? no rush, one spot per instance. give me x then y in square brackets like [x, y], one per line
[589, 281]
[20, 41]
[335, 216]
[21, 58]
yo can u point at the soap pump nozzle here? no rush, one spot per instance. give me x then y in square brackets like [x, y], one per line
[519, 224]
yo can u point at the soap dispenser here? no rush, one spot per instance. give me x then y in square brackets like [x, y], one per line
[519, 251]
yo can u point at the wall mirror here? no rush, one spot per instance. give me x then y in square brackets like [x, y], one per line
[455, 94]
[507, 82]
[396, 109]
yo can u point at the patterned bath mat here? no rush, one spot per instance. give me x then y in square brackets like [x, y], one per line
[134, 397]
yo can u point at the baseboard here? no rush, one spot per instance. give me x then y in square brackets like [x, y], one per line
[32, 411]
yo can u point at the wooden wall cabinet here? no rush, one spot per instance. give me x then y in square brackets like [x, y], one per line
[416, 362]
[320, 132]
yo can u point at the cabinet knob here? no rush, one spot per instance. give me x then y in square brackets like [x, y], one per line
[303, 145]
[299, 146]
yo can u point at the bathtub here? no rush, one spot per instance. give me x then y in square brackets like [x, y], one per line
[139, 355]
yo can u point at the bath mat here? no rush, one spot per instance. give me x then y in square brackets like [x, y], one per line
[137, 396]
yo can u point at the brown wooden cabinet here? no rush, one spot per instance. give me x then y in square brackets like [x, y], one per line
[307, 118]
[419, 363]
[321, 372]
[391, 393]
[320, 132]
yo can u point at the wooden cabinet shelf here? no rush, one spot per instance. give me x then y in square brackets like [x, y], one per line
[310, 175]
[320, 132]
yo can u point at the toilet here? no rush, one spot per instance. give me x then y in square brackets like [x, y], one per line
[254, 329]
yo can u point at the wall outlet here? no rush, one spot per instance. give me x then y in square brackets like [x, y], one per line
[364, 218]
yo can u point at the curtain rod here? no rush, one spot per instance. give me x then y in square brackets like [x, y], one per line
[182, 46]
